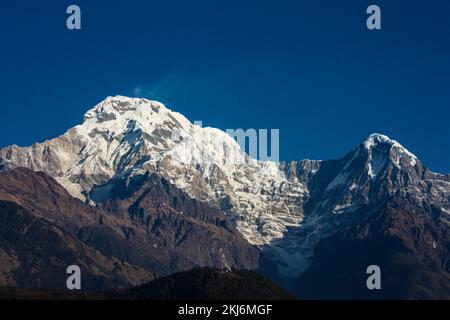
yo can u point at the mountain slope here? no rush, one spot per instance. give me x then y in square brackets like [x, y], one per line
[410, 245]
[195, 284]
[36, 253]
[209, 284]
[170, 242]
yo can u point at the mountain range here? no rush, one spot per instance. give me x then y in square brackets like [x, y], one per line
[137, 192]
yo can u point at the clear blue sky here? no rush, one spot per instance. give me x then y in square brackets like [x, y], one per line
[309, 68]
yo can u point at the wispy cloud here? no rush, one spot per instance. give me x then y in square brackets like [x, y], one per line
[161, 89]
[185, 88]
[142, 91]
[137, 91]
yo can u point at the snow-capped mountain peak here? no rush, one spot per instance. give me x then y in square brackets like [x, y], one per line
[115, 114]
[287, 207]
[378, 143]
[376, 138]
[126, 137]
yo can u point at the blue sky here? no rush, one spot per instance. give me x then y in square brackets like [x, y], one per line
[309, 68]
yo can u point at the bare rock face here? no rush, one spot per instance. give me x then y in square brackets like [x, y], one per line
[409, 244]
[196, 284]
[36, 252]
[208, 284]
[115, 249]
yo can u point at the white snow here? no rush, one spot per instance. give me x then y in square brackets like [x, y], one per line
[376, 164]
[376, 138]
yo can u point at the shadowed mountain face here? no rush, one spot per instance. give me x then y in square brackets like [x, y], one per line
[36, 252]
[209, 284]
[410, 245]
[195, 284]
[45, 230]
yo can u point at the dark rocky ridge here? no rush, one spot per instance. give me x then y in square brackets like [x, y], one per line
[410, 245]
[166, 243]
[209, 284]
[36, 252]
[195, 284]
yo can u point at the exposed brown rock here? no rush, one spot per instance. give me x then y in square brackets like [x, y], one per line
[411, 247]
[154, 230]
